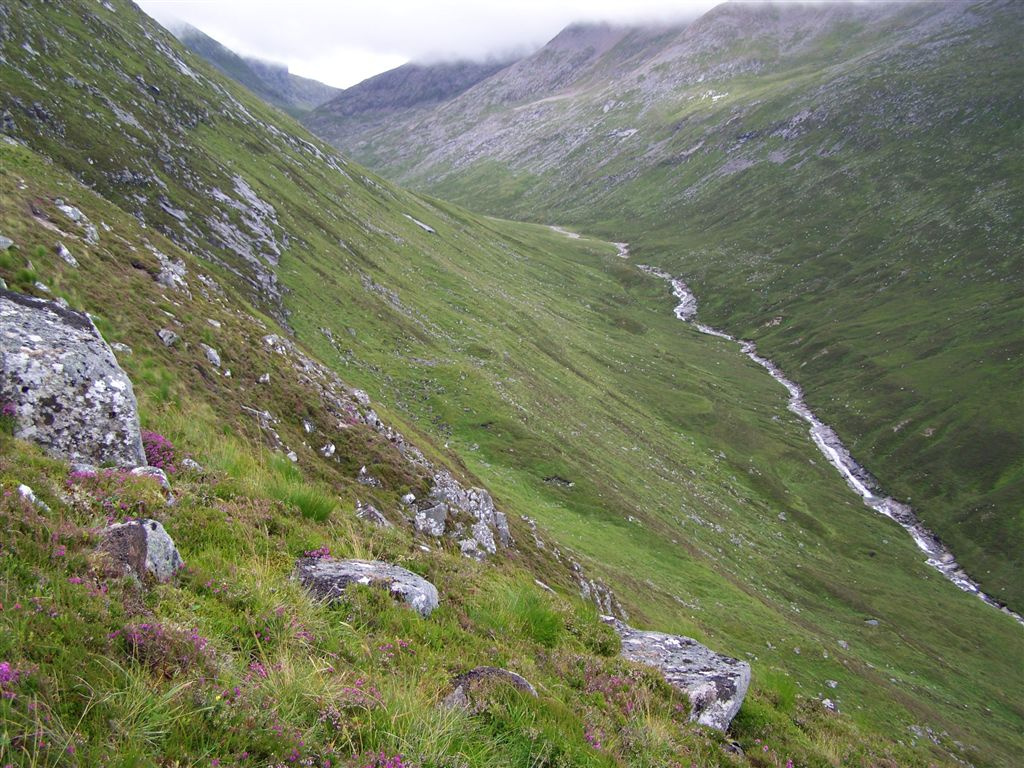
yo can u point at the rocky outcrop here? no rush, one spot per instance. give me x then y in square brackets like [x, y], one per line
[715, 684]
[468, 514]
[141, 547]
[328, 579]
[470, 688]
[68, 392]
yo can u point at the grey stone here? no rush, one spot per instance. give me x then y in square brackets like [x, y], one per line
[154, 472]
[328, 578]
[371, 514]
[70, 211]
[30, 496]
[65, 254]
[328, 450]
[123, 349]
[211, 354]
[470, 688]
[264, 379]
[5, 243]
[431, 520]
[141, 546]
[191, 465]
[167, 336]
[715, 684]
[69, 393]
[92, 235]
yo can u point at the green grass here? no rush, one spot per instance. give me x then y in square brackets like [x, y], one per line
[511, 355]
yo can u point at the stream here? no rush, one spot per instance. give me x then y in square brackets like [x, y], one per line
[828, 442]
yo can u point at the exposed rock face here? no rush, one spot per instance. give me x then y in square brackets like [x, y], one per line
[447, 498]
[471, 686]
[716, 684]
[140, 547]
[329, 578]
[69, 393]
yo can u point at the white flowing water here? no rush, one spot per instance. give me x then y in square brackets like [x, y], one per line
[828, 442]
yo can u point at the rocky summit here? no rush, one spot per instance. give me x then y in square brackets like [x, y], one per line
[301, 467]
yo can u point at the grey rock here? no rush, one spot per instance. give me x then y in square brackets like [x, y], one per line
[3, 284]
[871, 622]
[65, 254]
[69, 393]
[470, 688]
[123, 349]
[155, 473]
[264, 379]
[167, 336]
[431, 520]
[5, 243]
[211, 354]
[408, 499]
[141, 546]
[366, 478]
[43, 287]
[30, 496]
[328, 578]
[191, 465]
[328, 450]
[292, 456]
[92, 235]
[843, 644]
[715, 684]
[371, 514]
[70, 211]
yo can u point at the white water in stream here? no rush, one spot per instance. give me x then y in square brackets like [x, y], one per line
[828, 442]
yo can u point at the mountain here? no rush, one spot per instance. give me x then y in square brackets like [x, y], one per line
[329, 367]
[271, 82]
[838, 182]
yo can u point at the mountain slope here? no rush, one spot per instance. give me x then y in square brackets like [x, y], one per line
[271, 82]
[839, 183]
[544, 368]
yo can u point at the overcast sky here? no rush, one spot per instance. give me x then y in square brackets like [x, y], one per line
[341, 42]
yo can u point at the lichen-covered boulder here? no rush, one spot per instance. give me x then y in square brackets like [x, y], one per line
[140, 547]
[471, 688]
[715, 684]
[68, 392]
[328, 578]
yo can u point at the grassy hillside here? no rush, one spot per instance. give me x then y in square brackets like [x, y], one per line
[519, 358]
[839, 183]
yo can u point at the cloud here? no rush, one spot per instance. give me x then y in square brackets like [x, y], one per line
[342, 43]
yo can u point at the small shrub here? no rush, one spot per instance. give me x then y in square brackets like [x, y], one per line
[159, 451]
[7, 418]
[166, 651]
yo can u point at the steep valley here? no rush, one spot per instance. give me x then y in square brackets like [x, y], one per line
[839, 183]
[643, 466]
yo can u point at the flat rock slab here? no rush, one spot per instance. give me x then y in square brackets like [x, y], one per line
[470, 687]
[69, 394]
[328, 578]
[715, 684]
[141, 547]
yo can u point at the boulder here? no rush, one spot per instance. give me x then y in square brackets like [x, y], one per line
[167, 336]
[470, 688]
[715, 684]
[371, 514]
[328, 578]
[68, 391]
[139, 547]
[211, 354]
